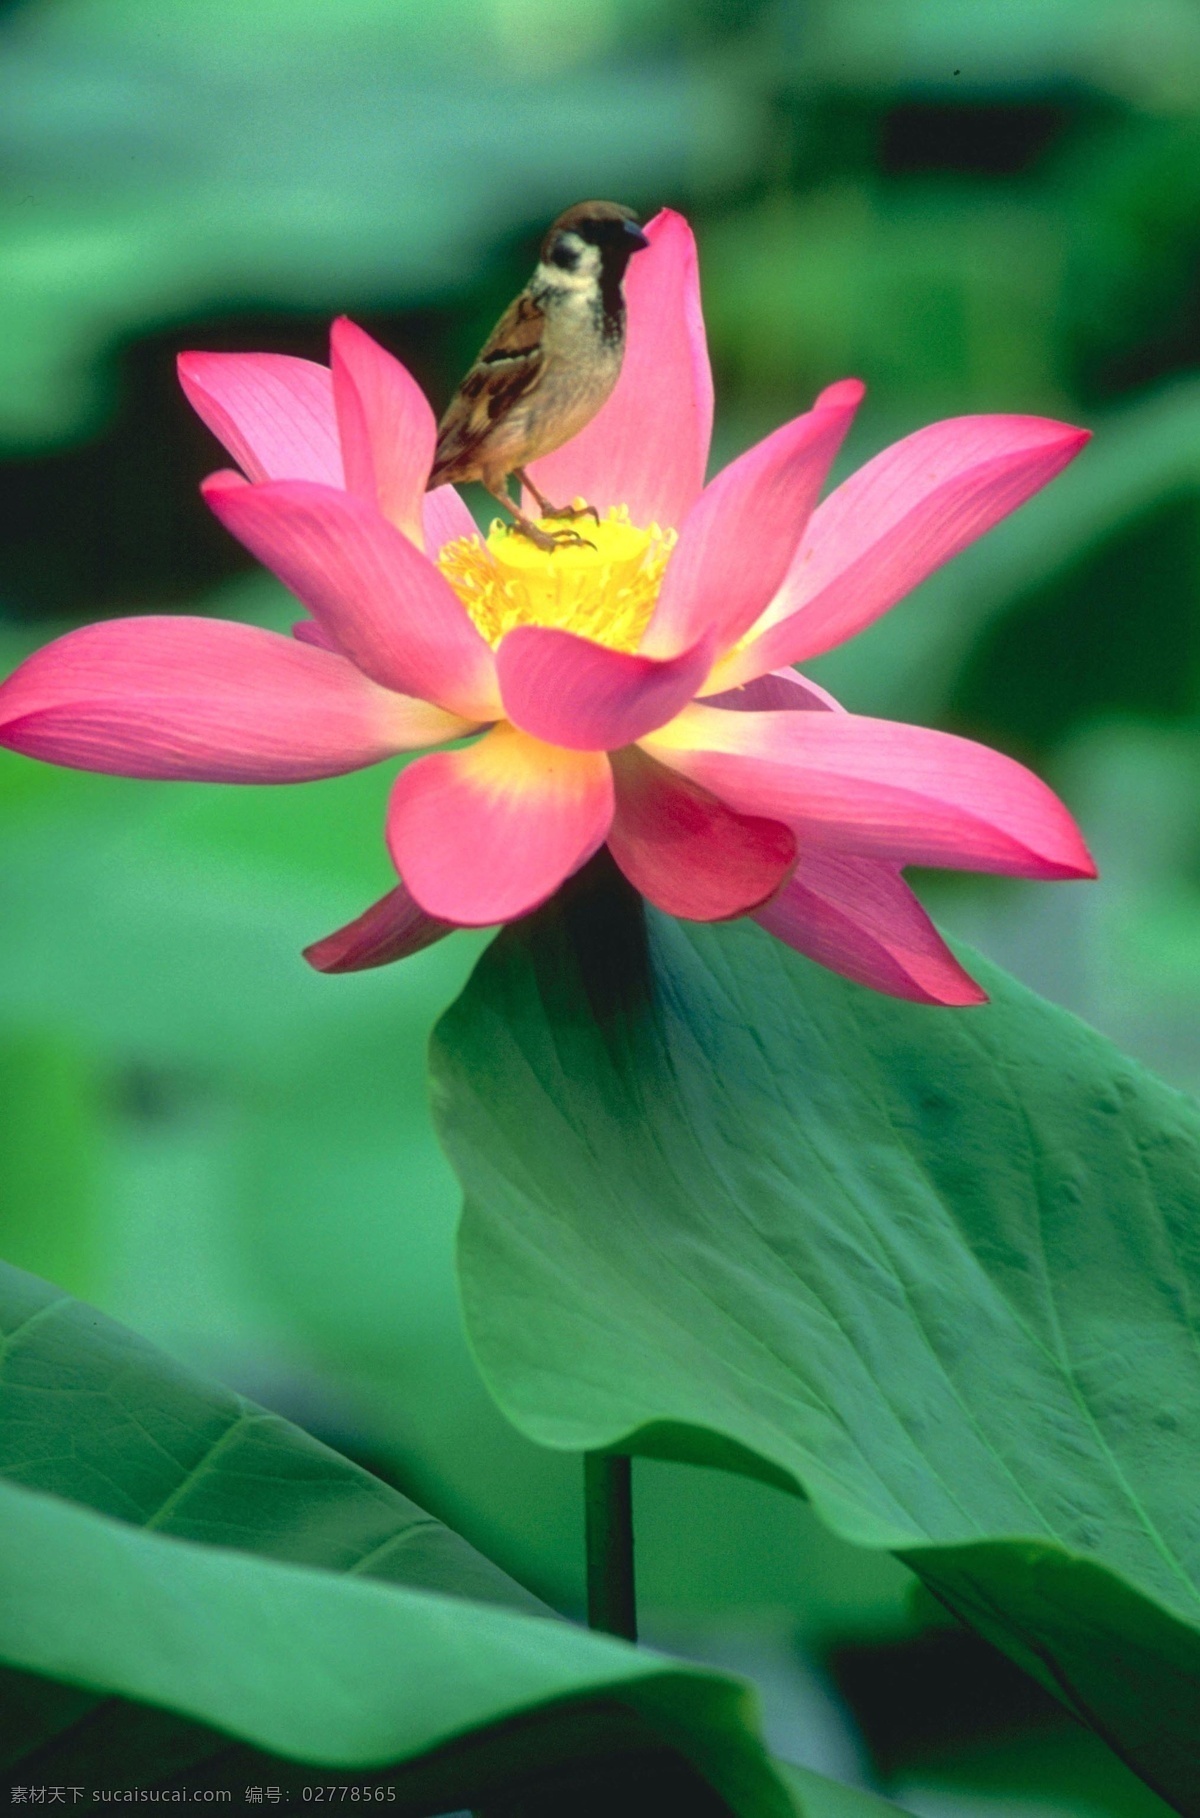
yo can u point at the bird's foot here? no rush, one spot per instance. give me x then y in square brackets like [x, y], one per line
[579, 509]
[549, 540]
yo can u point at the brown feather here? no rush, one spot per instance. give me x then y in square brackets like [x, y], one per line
[508, 367]
[518, 330]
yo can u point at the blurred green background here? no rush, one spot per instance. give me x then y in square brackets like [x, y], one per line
[971, 204]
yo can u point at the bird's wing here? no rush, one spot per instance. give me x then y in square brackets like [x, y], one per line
[507, 369]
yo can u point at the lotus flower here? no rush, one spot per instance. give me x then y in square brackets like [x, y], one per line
[637, 691]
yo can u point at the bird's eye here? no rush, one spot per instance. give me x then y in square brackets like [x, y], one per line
[565, 255]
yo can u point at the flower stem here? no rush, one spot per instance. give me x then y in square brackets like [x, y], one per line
[608, 1524]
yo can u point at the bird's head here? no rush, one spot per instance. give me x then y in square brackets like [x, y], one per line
[592, 241]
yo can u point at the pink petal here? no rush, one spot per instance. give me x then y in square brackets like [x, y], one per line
[648, 446]
[367, 586]
[569, 691]
[445, 519]
[858, 917]
[309, 632]
[879, 788]
[779, 691]
[386, 427]
[391, 929]
[741, 534]
[687, 852]
[485, 834]
[897, 519]
[273, 413]
[206, 700]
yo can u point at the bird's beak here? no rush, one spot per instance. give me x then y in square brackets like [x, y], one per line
[636, 235]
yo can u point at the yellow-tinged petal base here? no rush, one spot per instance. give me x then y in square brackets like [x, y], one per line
[604, 589]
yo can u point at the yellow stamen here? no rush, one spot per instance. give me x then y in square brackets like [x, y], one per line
[604, 590]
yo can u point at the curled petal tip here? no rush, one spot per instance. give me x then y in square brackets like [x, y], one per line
[843, 394]
[391, 929]
[1066, 439]
[345, 331]
[307, 631]
[1062, 856]
[217, 485]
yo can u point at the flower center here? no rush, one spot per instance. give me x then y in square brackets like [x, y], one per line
[604, 589]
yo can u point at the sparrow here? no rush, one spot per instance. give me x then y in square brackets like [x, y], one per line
[547, 366]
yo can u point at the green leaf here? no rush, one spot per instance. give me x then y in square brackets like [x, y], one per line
[91, 1412]
[217, 1574]
[326, 1669]
[822, 1798]
[938, 1270]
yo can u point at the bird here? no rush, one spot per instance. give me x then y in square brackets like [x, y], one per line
[547, 366]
